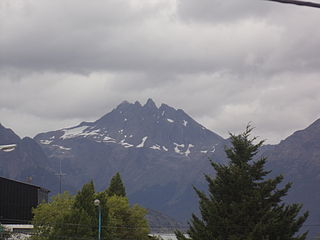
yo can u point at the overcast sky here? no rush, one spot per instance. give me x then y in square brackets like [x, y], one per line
[224, 62]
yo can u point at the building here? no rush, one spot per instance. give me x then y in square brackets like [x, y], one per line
[17, 200]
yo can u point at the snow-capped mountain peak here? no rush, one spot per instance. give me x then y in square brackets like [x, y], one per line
[162, 129]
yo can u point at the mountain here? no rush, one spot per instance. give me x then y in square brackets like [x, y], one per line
[298, 159]
[27, 162]
[159, 151]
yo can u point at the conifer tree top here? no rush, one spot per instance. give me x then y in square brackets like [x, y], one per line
[243, 203]
[116, 186]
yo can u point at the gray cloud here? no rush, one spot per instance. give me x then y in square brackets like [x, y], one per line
[119, 36]
[116, 36]
[220, 11]
[224, 62]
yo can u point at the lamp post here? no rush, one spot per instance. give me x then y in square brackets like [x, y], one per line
[97, 204]
[8, 148]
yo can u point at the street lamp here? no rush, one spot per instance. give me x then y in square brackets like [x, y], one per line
[8, 148]
[97, 204]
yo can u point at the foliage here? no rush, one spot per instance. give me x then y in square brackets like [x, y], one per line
[4, 233]
[242, 203]
[77, 217]
[116, 186]
[82, 221]
[126, 222]
[47, 216]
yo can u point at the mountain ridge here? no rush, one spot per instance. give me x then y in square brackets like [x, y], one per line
[126, 133]
[167, 154]
[27, 162]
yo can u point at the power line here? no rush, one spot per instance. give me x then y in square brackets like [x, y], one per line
[115, 226]
[299, 3]
[110, 225]
[76, 237]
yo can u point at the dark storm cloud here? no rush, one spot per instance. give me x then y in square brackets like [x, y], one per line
[82, 37]
[117, 36]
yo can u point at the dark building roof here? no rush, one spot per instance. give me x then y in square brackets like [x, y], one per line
[23, 183]
[17, 200]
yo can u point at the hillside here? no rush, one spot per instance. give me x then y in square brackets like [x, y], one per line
[27, 162]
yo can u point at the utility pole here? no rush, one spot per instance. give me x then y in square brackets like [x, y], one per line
[60, 174]
[296, 2]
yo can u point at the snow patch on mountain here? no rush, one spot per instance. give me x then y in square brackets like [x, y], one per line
[185, 123]
[62, 147]
[45, 141]
[109, 139]
[79, 131]
[170, 120]
[213, 149]
[126, 145]
[187, 152]
[177, 146]
[156, 147]
[142, 142]
[73, 132]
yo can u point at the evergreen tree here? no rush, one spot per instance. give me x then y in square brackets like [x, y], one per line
[84, 199]
[116, 186]
[242, 204]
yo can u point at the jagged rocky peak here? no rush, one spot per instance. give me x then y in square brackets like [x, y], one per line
[165, 107]
[150, 104]
[132, 125]
[137, 103]
[123, 105]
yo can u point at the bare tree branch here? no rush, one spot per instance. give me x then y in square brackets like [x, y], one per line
[300, 3]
